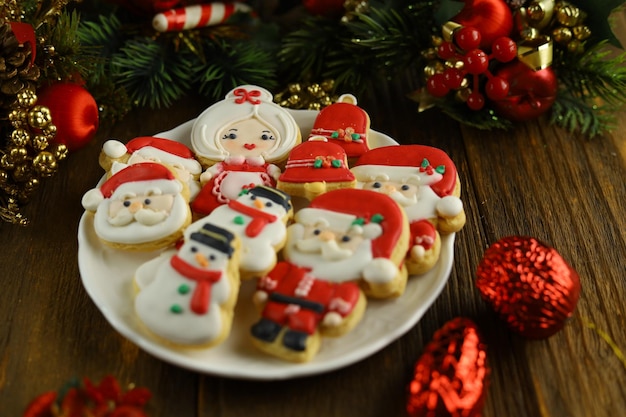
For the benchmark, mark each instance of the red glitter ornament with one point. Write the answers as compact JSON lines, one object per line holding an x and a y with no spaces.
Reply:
{"x":451,"y":376}
{"x":529,"y":285}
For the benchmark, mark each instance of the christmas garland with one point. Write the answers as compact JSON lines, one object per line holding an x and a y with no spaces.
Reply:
{"x":306,"y":51}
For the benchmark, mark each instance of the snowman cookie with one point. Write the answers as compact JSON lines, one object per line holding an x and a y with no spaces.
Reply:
{"x":241,"y":140}
{"x":142,"y":207}
{"x":424,"y":181}
{"x":258,"y":217}
{"x":186,"y":297}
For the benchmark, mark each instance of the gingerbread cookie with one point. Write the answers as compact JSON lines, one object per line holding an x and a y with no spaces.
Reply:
{"x":424,"y":181}
{"x":243,"y":140}
{"x":258,"y":217}
{"x":187,"y":298}
{"x":139,"y":208}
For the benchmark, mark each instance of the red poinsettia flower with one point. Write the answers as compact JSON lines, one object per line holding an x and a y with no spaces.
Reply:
{"x":87,"y":399}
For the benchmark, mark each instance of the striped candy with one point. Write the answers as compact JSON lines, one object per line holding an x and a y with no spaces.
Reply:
{"x":196,"y":16}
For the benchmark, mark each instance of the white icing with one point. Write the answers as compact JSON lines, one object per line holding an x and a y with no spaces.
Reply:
{"x":380,"y":270}
{"x":135,"y":233}
{"x":258,"y":253}
{"x":114,"y":149}
{"x":153,"y":302}
{"x":229,"y":184}
{"x":449,"y":207}
{"x":149,"y":153}
{"x":206,"y":129}
{"x":365,"y":173}
{"x":348,"y":268}
{"x":92,"y":199}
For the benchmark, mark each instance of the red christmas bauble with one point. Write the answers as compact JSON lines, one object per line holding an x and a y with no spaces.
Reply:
{"x":531,"y":93}
{"x":74,"y":112}
{"x":451,"y":376}
{"x":529,"y":285}
{"x":326,"y":8}
{"x":493,"y":18}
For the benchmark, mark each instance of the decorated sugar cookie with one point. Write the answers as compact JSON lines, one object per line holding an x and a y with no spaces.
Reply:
{"x":314,"y":167}
{"x":258,"y":217}
{"x":347,"y":244}
{"x":242,"y":139}
{"x":115,"y":155}
{"x":139,"y":208}
{"x":424,"y":181}
{"x":187,"y":297}
{"x":346,"y":124}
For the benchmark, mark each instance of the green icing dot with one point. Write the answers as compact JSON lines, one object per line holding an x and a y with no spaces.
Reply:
{"x":183,"y":289}
{"x":377,"y":218}
{"x":334,"y":135}
{"x":317,"y":163}
{"x":356,"y":136}
{"x":176,"y":309}
{"x":336,"y":163}
{"x":238,"y":220}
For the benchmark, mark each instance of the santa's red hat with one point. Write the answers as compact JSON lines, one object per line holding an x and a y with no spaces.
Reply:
{"x":344,"y":123}
{"x":129,"y":176}
{"x":317,"y":160}
{"x":392,"y":160}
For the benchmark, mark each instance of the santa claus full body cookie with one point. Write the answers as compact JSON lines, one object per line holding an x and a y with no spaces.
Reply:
{"x":242,"y":140}
{"x":139,"y":208}
{"x":187,"y":298}
{"x":424,"y":181}
{"x":344,"y":244}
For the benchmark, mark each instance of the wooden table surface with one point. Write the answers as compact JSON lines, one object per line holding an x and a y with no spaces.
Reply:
{"x":536,"y":180}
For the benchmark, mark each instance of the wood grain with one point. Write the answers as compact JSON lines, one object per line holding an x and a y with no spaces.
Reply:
{"x":566,"y":190}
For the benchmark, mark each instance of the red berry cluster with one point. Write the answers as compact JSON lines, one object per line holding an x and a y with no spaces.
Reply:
{"x":475,"y":62}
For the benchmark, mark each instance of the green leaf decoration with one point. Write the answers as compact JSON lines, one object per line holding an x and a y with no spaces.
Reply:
{"x":377,"y":218}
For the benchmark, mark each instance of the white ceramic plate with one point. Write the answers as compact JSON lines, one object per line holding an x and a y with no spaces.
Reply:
{"x":107,"y":275}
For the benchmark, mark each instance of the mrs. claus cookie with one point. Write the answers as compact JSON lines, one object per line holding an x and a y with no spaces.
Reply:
{"x":139,"y":208}
{"x":187,"y":297}
{"x":424,"y":181}
{"x":258,"y":217}
{"x":242,"y":140}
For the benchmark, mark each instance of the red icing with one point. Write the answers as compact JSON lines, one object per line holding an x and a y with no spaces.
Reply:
{"x":423,"y":233}
{"x":259,"y":218}
{"x":287,"y":279}
{"x":342,"y":118}
{"x":204,"y":278}
{"x":244,"y":95}
{"x":166,"y":145}
{"x":412,"y":156}
{"x":366,"y":204}
{"x":147,"y":171}
{"x":300,"y":165}
{"x":210,"y":196}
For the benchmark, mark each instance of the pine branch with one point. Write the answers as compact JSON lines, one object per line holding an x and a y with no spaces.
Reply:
{"x":575,"y":115}
{"x":154,"y":75}
{"x":102,"y":38}
{"x":230,"y":64}
{"x":484,"y":119}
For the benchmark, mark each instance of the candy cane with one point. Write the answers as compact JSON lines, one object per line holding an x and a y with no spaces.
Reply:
{"x":197,"y":16}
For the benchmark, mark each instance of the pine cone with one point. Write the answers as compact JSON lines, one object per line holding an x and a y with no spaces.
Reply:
{"x":16,"y":70}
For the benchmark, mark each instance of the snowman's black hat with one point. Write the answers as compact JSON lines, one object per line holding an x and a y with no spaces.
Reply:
{"x":215,"y":237}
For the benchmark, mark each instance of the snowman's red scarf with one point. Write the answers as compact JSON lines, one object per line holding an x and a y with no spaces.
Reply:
{"x":259,"y":217}
{"x":201,"y":296}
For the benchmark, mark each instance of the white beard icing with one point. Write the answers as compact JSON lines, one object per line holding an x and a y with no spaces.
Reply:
{"x":152,"y":305}
{"x":135,"y":232}
{"x":425,"y":208}
{"x":347,"y":269}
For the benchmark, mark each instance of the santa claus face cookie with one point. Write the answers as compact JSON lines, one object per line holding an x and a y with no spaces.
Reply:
{"x":187,"y":297}
{"x":258,"y":217}
{"x":424,"y":181}
{"x":139,"y":208}
{"x":352,"y":235}
{"x":179,"y":158}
